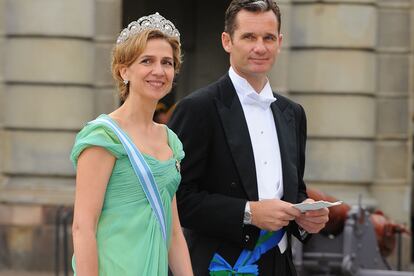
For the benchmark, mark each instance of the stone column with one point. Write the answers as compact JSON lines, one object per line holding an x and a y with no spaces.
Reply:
{"x":49,"y":58}
{"x":392,"y":181}
{"x":332,"y":73}
{"x":55,"y":55}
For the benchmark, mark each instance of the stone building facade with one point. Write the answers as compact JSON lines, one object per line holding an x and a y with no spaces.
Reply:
{"x":348,"y":62}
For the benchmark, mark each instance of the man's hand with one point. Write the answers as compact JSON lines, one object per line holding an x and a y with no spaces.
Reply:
{"x":313,"y":221}
{"x":272,"y":214}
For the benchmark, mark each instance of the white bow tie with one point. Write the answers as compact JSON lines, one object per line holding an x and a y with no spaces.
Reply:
{"x":256,"y":100}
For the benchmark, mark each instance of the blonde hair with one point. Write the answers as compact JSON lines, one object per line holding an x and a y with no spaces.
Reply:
{"x":125,"y":53}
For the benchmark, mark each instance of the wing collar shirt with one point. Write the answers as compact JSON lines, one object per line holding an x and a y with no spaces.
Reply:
{"x":263,"y":135}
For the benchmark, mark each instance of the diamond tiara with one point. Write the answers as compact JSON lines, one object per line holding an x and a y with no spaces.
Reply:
{"x":151,"y":22}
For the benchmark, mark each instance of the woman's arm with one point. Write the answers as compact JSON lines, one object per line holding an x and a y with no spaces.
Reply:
{"x":178,"y":256}
{"x":94,"y":169}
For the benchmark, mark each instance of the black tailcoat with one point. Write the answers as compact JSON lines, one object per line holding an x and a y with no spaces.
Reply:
{"x":219,"y":175}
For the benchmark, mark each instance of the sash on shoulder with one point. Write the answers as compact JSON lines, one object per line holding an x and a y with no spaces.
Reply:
{"x":245,"y":264}
{"x":142,"y":171}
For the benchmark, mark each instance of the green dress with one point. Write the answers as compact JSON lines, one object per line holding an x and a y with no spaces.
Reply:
{"x":129,"y":237}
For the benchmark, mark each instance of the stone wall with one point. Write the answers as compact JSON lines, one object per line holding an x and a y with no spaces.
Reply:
{"x":54,"y":76}
{"x":392,"y":178}
{"x":332,"y":73}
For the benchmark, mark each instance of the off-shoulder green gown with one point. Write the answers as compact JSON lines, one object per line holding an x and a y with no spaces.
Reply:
{"x":129,"y":237}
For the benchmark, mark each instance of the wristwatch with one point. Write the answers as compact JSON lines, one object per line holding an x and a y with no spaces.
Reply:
{"x":303,"y":233}
{"x":247,"y":218}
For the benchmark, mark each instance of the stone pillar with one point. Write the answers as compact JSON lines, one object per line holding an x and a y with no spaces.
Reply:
{"x":55,"y":55}
{"x":49,"y":56}
{"x":332,"y":73}
{"x":392,"y":181}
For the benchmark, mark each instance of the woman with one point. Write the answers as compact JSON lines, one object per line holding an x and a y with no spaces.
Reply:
{"x":117,"y":227}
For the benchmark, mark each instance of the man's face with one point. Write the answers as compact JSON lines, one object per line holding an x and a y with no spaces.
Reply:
{"x":255,"y":43}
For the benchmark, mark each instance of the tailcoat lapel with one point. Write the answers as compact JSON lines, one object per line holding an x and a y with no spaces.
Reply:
{"x":237,"y":135}
{"x":286,"y":133}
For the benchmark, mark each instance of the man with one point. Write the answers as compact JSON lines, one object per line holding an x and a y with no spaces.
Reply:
{"x":245,"y":155}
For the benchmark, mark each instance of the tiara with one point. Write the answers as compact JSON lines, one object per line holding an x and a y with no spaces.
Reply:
{"x":151,"y":22}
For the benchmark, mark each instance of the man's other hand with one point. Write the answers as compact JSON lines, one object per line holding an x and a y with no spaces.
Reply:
{"x":313,"y":221}
{"x":272,"y":214}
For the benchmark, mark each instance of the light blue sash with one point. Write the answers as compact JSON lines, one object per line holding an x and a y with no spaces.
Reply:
{"x":142,"y":171}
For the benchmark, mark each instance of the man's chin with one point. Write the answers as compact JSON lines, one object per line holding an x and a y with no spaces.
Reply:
{"x":260,"y":70}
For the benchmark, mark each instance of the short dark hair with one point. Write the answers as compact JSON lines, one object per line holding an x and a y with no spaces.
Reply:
{"x":252,"y":6}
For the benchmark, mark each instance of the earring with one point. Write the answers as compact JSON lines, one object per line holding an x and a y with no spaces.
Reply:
{"x":126,"y":82}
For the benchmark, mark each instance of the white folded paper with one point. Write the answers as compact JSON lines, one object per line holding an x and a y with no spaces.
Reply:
{"x":308,"y":206}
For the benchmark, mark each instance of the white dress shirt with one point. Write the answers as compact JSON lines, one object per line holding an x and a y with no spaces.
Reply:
{"x":263,"y":135}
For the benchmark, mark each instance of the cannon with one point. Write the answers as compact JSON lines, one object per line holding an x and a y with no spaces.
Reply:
{"x":355,"y":242}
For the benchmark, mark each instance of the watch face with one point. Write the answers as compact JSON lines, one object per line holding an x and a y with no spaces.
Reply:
{"x":247,"y":218}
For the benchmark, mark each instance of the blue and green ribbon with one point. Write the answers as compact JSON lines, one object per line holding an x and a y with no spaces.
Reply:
{"x":245,"y":264}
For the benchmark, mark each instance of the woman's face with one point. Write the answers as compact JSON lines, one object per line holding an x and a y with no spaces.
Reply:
{"x":152,"y":73}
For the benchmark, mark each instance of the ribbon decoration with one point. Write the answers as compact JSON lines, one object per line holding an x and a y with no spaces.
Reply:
{"x":245,"y":264}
